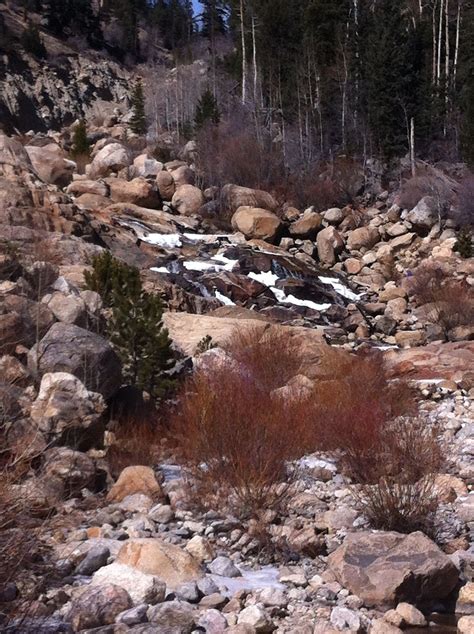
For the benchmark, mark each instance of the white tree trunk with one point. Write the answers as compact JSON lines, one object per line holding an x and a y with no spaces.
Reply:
{"x":244,"y":53}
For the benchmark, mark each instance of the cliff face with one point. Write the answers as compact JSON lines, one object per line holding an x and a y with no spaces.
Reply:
{"x":46,"y":94}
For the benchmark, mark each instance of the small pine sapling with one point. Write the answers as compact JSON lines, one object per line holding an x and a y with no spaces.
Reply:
{"x":138,"y":123}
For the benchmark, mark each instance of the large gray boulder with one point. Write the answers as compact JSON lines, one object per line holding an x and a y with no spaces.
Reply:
{"x":66,"y":412}
{"x":425,"y":214}
{"x":386,"y":568}
{"x":111,"y":158}
{"x":86,"y":355}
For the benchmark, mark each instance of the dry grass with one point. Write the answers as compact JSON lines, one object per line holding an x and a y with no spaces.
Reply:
{"x":449,"y":302}
{"x":235,"y":434}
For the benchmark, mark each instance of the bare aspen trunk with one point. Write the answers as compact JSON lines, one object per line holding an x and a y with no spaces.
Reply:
{"x":254,"y":58}
{"x":456,"y":49}
{"x":440,"y":42}
{"x":412,"y":147}
{"x":244,"y":53}
{"x":434,"y":42}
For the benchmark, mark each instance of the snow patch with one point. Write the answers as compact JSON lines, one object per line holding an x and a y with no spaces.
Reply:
{"x":268,"y":279}
{"x":266,"y":577}
{"x":340,"y":288}
{"x":291,"y":299}
{"x":159,"y":269}
{"x":167,"y":241}
{"x":225,"y":300}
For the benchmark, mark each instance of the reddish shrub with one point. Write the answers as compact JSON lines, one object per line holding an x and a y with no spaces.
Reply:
{"x":236,"y":435}
{"x":398,"y":489}
{"x":449,"y":302}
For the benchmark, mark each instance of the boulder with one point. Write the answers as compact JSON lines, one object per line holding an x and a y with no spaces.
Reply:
{"x":86,"y":355}
{"x":187,"y":200}
{"x":67,"y":413}
{"x":146,"y":166}
{"x":14,"y":158}
{"x":257,"y":223}
{"x":170,"y":563}
{"x":363,"y":238}
{"x":50,"y":165}
{"x":92,"y":201}
{"x":329,"y":244}
{"x":224,"y":567}
{"x":78,"y":188}
{"x":233,"y":196}
{"x":166,"y":185}
{"x":142,"y":587}
{"x":183,"y":175}
{"x":385,"y":568}
{"x":307,"y":226}
{"x":466,"y":625}
{"x":67,"y":307}
{"x":334,"y":216}
{"x":257,"y":618}
{"x":172,"y":617}
{"x":97,"y":606}
{"x":74,"y":469}
{"x":200,"y":548}
{"x":111,"y":158}
{"x":411,"y":616}
{"x":425,"y":214}
{"x":136,"y":192}
{"x":465,"y":602}
{"x":132,"y":480}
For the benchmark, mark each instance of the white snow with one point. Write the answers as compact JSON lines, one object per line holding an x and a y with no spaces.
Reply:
{"x":167,"y":241}
{"x":159,"y":269}
{"x":291,"y":299}
{"x":340,"y":288}
{"x":269,"y":279}
{"x":228,"y":263}
{"x":202,"y":237}
{"x":199,"y":266}
{"x":225,"y":300}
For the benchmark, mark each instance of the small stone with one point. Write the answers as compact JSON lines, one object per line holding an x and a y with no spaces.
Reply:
{"x":224,"y":567}
{"x":188,"y":592}
{"x":175,"y":615}
{"x":465,"y":602}
{"x":411,"y":615}
{"x":466,"y":625}
{"x":379,"y":626}
{"x":95,"y":559}
{"x":200,"y":548}
{"x":343,"y":618}
{"x":256,"y":617}
{"x":134,"y":615}
{"x":212,"y":621}
{"x":215,"y":600}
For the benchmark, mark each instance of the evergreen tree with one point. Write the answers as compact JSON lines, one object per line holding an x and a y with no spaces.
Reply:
{"x":174,"y":19}
{"x":32,"y":42}
{"x":80,"y":142}
{"x":388,"y":76}
{"x":207,"y":110}
{"x":214,"y":17}
{"x":138,"y":122}
{"x":467,"y":79}
{"x":135,"y":327}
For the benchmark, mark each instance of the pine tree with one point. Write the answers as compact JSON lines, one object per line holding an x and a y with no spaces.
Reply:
{"x":80,"y":142}
{"x":214,"y":16}
{"x":135,"y":327}
{"x":138,"y":123}
{"x":207,"y":110}
{"x":467,"y":77}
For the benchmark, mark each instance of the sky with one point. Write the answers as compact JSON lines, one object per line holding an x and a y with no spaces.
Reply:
{"x":197,"y":6}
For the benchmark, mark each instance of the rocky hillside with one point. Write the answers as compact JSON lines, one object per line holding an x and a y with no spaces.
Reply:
{"x":44,"y":94}
{"x":128,"y":550}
